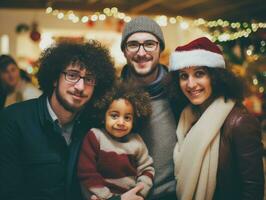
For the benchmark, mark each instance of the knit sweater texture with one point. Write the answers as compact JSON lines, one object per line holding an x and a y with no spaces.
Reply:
{"x":109,"y":167}
{"x":159,"y":136}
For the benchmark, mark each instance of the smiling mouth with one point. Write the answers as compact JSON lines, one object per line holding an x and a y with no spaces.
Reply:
{"x":77,"y":94}
{"x":77,"y":97}
{"x":120,"y":129}
{"x":195,"y":93}
{"x":142,"y":60}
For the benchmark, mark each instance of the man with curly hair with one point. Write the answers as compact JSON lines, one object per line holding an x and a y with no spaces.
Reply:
{"x":142,"y":44}
{"x":40,"y":138}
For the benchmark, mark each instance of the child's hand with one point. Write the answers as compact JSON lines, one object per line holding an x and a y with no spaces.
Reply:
{"x":132,"y":194}
{"x":94,"y":197}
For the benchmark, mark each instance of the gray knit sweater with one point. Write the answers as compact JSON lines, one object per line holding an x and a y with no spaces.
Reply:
{"x":160,"y":138}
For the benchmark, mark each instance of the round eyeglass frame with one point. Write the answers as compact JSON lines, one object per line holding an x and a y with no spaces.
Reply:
{"x":80,"y":77}
{"x":143,"y":45}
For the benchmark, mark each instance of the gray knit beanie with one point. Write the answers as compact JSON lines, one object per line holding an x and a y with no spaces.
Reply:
{"x":142,"y":24}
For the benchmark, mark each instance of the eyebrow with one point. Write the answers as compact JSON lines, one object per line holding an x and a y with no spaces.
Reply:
{"x":78,"y":71}
{"x":119,"y":112}
{"x":113,"y":111}
{"x":143,"y":40}
{"x":182,"y":71}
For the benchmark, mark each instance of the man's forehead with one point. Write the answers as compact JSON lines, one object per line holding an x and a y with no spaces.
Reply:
{"x":141,"y":36}
{"x":78,"y":68}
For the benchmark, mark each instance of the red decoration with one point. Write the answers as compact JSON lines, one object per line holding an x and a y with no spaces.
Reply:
{"x":90,"y":23}
{"x":120,"y":25}
{"x":35,"y":34}
{"x":261,"y":34}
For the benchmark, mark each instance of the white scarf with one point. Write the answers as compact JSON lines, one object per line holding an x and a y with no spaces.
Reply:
{"x":197,"y":149}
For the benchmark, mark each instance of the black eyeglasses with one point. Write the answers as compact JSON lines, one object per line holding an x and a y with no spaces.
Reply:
{"x":148,"y":46}
{"x":74,"y":77}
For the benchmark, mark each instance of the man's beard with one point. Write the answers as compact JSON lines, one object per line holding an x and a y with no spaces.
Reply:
{"x":153,"y":68}
{"x":64,"y":103}
{"x":142,"y":75}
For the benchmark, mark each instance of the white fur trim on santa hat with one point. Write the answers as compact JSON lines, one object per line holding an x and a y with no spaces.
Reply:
{"x":197,"y":57}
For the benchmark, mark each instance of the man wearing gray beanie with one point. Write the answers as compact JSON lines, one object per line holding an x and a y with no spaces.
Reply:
{"x":142,"y":44}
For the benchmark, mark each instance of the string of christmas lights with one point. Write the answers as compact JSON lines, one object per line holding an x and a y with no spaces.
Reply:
{"x":220,"y":30}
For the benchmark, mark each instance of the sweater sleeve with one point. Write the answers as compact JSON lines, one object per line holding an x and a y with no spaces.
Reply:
{"x":92,"y":182}
{"x":248,"y":148}
{"x":145,"y":170}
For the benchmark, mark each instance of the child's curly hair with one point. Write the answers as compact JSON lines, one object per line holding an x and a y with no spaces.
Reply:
{"x":129,"y":91}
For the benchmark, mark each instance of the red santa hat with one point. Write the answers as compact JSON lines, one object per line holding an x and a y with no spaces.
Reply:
{"x":199,"y":52}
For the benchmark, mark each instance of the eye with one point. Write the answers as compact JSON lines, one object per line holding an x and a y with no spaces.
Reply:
{"x":89,"y":80}
{"x":132,"y":45}
{"x":150,"y":43}
{"x":128,"y":118}
{"x":72,"y":75}
{"x":200,"y":73}
{"x":183,"y":76}
{"x":114,"y":115}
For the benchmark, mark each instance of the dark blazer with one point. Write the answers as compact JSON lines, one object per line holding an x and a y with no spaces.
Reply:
{"x":240,"y":169}
{"x":35,"y":162}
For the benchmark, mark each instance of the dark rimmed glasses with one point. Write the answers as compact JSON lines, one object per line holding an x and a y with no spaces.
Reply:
{"x":74,"y":77}
{"x":148,"y":46}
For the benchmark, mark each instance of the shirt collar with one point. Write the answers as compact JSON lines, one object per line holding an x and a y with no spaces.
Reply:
{"x":50,"y":110}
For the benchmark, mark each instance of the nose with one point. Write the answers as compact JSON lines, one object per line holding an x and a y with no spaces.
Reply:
{"x":80,"y":84}
{"x":120,"y":122}
{"x":191,"y":83}
{"x":141,"y":51}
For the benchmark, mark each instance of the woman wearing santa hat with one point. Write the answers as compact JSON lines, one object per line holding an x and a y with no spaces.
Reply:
{"x":219,"y":151}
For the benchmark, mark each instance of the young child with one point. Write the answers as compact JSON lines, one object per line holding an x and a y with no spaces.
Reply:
{"x":115,"y":159}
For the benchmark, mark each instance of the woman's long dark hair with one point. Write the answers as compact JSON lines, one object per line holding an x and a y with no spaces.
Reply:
{"x":223,"y":83}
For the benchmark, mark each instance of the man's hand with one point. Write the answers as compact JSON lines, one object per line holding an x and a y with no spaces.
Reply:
{"x":133,"y":193}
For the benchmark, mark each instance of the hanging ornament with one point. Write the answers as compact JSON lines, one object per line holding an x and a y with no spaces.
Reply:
{"x":120,"y":25}
{"x":35,"y":34}
{"x":90,"y":23}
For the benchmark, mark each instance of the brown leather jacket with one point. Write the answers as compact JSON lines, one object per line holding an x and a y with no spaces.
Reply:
{"x":240,"y":173}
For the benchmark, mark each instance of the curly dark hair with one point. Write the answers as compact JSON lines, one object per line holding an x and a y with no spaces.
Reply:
{"x":91,"y":55}
{"x":223,"y":83}
{"x":129,"y":91}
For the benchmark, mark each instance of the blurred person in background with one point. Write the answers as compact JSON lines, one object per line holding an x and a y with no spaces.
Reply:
{"x":15,"y":84}
{"x":218,"y":155}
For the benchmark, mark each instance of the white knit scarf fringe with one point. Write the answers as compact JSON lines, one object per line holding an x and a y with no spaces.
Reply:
{"x":197,"y":149}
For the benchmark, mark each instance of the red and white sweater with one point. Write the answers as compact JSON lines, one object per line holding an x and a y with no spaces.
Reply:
{"x":109,"y":167}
